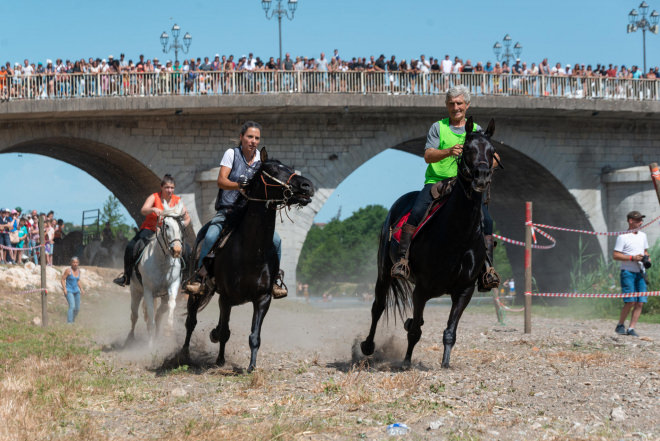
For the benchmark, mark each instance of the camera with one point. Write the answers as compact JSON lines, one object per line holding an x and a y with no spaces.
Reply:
{"x":646,"y":262}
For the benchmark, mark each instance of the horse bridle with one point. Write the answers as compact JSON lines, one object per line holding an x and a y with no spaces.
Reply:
{"x":167,"y":245}
{"x":466,"y":174}
{"x":286,"y":194}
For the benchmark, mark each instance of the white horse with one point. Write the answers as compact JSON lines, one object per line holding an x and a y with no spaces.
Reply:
{"x":160,"y":269}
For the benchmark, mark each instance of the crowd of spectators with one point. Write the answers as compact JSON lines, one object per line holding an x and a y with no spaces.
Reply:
{"x":209,"y":75}
{"x":19,"y":236}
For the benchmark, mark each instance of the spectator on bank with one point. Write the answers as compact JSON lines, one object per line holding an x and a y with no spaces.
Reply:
{"x":34,"y":236}
{"x":631,"y":250}
{"x":5,"y":242}
{"x":23,"y":237}
{"x":72,"y":289}
{"x":49,"y":235}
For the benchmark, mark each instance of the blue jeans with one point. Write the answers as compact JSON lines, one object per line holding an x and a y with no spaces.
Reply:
{"x":74,"y":305}
{"x":33,"y":251}
{"x":212,"y":233}
{"x":633,"y":282}
{"x":4,"y":240}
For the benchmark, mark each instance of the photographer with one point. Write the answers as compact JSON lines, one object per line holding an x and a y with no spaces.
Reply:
{"x":631,"y":249}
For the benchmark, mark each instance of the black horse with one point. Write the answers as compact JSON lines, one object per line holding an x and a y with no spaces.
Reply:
{"x":246,"y":267}
{"x":446,"y":256}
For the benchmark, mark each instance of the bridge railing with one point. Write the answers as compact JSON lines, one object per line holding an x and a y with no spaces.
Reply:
{"x":65,"y":86}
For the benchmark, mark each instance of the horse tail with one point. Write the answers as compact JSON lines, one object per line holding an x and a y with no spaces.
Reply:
{"x":397,"y":293}
{"x":399,"y":298}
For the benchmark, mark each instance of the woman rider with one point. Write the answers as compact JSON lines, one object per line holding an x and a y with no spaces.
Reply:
{"x":444,"y":144}
{"x":237,"y":167}
{"x":153,"y":207}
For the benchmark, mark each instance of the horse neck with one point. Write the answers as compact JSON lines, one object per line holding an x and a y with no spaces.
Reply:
{"x":159,"y":251}
{"x":464,"y":211}
{"x":258,"y":226}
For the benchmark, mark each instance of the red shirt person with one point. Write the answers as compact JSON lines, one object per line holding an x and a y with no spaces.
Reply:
{"x":152,"y":209}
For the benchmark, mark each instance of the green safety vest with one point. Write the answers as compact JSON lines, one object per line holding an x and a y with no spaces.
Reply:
{"x":446,"y":168}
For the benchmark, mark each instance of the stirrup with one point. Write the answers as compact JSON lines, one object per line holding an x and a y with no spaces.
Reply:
{"x":279,"y":290}
{"x":194,"y":286}
{"x":400,"y":269}
{"x":488,"y":280}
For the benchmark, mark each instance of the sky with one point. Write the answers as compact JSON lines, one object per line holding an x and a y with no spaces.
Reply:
{"x":586,"y":32}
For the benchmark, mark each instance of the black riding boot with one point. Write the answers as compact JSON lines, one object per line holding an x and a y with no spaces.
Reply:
{"x":400,"y":269}
{"x":489,"y":278}
{"x":125,"y":278}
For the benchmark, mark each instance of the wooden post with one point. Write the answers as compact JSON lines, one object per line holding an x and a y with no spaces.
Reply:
{"x":655,"y":177}
{"x":528,"y":267}
{"x":42,"y":263}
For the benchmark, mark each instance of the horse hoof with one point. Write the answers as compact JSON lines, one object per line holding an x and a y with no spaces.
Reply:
{"x":367,"y":347}
{"x":407,"y":324}
{"x":250,"y":369}
{"x":220,"y":362}
{"x":445,"y":365}
{"x":214,"y":336}
{"x":406,"y":365}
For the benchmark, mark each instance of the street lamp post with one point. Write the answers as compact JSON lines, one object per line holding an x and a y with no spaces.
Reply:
{"x":176,"y":30}
{"x":280,"y":12}
{"x":650,"y":24}
{"x":507,"y":55}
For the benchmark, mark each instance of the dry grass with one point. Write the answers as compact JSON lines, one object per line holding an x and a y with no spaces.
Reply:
{"x":584,"y":359}
{"x":55,"y":385}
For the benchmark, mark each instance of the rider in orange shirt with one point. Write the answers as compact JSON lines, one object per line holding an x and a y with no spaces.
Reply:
{"x":153,"y":207}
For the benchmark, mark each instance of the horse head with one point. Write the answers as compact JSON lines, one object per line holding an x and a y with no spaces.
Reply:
{"x":278,"y":184}
{"x":172,"y":230}
{"x":475,"y":164}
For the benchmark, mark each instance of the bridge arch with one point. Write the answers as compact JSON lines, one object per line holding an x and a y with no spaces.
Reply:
{"x":126,"y":177}
{"x":574,"y":148}
{"x":553,"y":204}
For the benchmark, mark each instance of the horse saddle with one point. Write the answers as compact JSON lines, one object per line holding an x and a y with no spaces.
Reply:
{"x":138,"y":251}
{"x":139,"y":247}
{"x":215,"y":249}
{"x":440,"y":193}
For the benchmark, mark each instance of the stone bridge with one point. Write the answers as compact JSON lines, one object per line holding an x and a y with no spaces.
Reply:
{"x":584,"y":163}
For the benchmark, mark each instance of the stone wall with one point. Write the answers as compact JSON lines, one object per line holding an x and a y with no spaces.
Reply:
{"x":556,"y":153}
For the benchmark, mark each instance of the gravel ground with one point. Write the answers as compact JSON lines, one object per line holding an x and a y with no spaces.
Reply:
{"x":566,"y":380}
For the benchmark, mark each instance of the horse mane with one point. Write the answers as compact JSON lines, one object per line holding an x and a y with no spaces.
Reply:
{"x":175,"y":211}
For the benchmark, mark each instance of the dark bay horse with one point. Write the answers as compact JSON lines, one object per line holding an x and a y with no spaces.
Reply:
{"x":246,"y":267}
{"x":446,"y":256}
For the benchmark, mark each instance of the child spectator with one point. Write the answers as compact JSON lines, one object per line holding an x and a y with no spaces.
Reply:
{"x":49,"y":240}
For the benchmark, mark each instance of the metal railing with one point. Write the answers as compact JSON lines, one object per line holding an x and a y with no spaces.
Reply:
{"x":66,"y":86}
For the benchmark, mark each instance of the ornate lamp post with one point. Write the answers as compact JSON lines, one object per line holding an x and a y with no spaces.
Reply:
{"x":280,"y":12}
{"x":650,"y":24}
{"x":507,"y":55}
{"x":176,"y":30}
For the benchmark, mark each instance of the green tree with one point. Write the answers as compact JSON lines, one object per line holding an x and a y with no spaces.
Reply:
{"x":343,"y":251}
{"x":110,"y":213}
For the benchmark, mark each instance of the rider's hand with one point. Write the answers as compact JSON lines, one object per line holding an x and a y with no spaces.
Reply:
{"x":157,"y":211}
{"x":456,"y":150}
{"x":242,"y":182}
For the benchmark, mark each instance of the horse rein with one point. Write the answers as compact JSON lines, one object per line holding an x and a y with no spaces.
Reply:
{"x":169,"y":245}
{"x":467,"y":175}
{"x":287,"y":194}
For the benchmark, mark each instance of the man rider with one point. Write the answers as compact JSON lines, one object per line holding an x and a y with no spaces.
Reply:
{"x":237,"y":167}
{"x":152,"y":208}
{"x":444,"y":143}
